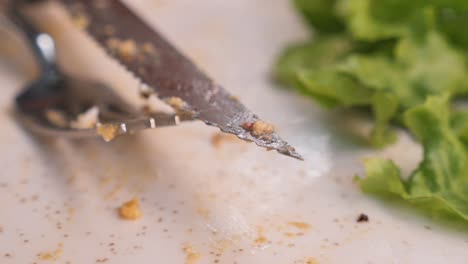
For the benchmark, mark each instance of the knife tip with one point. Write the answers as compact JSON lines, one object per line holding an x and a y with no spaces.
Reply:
{"x":291,"y":152}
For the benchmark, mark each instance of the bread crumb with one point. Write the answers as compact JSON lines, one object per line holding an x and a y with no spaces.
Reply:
{"x":260,"y":239}
{"x":113,"y":43}
{"x":192,"y":256}
{"x":175,"y":102}
{"x":52,"y":256}
{"x":86,"y":120}
{"x":130,"y":210}
{"x":107,"y":131}
{"x":311,"y":261}
{"x":203,"y":212}
{"x":148,"y":48}
{"x":259,"y":128}
{"x":127,"y":49}
{"x":362,"y":218}
{"x":81,"y":21}
{"x":56,"y":118}
{"x":219,"y":138}
{"x":300,"y":225}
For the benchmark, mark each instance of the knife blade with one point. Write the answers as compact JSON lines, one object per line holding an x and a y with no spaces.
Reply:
{"x":170,"y":75}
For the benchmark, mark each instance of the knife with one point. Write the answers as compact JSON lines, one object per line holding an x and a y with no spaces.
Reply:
{"x":167,"y":73}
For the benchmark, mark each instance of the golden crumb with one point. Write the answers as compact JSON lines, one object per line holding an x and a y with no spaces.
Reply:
{"x":128,"y":49}
{"x":260,"y":239}
{"x":219,"y":138}
{"x":235,"y":98}
{"x":203,"y":212}
{"x":107,"y":131}
{"x":300,"y":225}
{"x":51,"y":256}
{"x":130,"y":210}
{"x":262,"y":128}
{"x":259,"y":128}
{"x":86,"y":120}
{"x":175,"y":102}
{"x":56,"y":118}
{"x":81,"y":21}
{"x":113,"y":43}
{"x":149,"y":49}
{"x":311,"y":261}
{"x":192,"y":256}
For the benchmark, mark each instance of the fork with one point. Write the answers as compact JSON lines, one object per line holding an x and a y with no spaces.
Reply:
{"x":54,"y":103}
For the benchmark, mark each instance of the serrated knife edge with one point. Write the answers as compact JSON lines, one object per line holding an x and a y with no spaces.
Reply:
{"x":162,"y":67}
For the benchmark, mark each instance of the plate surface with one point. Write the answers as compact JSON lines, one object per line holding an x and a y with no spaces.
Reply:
{"x":224,"y":201}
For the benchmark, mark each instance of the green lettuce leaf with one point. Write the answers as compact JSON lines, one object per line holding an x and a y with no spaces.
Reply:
{"x":321,"y":14}
{"x":406,"y":62}
{"x":321,"y":52}
{"x":335,"y":75}
{"x":440,"y":183}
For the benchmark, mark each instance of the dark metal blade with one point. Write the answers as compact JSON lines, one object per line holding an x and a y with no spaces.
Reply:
{"x":152,"y":59}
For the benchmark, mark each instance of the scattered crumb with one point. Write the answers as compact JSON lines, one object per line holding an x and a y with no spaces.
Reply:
{"x":56,"y":118}
{"x":127,"y":49}
{"x":362,"y":218}
{"x":81,"y":21}
{"x":205,"y":213}
{"x":219,"y":138}
{"x":300,"y":225}
{"x":262,"y":128}
{"x":235,"y":98}
{"x":175,"y":102}
{"x":259,"y":128}
{"x":148,"y":48}
{"x":192,"y":256}
{"x":130,"y":210}
{"x":260,"y":239}
{"x":86,"y":120}
{"x":102,"y":260}
{"x":55,"y":255}
{"x":107,"y":131}
{"x":291,"y":234}
{"x":311,"y":261}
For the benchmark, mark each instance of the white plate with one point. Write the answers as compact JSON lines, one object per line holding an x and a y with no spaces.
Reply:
{"x":231,"y":204}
